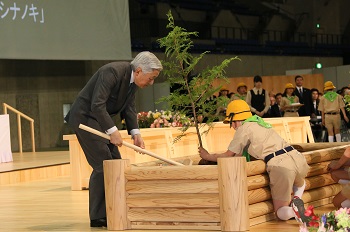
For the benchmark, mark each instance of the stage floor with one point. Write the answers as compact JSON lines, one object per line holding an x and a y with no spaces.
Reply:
{"x":29,"y":160}
{"x":50,"y":205}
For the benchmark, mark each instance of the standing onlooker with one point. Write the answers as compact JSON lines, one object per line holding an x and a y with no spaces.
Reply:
{"x":304,"y":95}
{"x":315,"y":122}
{"x":330,"y":105}
{"x":315,"y":102}
{"x":258,"y":98}
{"x":288,"y":99}
{"x":241,"y":92}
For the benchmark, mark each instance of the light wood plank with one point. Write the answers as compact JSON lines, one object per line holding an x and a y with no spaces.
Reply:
{"x":172,"y":186}
{"x":174,"y":214}
{"x":174,"y":200}
{"x":196,"y":172}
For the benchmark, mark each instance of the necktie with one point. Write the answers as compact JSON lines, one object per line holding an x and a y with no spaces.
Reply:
{"x":258,"y":92}
{"x":301,"y":92}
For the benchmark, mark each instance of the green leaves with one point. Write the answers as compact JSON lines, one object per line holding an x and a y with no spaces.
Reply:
{"x":193,"y":90}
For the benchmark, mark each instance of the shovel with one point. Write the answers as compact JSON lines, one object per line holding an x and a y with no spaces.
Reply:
{"x":129,"y":145}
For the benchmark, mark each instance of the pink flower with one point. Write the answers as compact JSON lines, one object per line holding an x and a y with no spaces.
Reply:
{"x":309,"y":211}
{"x":152,"y":125}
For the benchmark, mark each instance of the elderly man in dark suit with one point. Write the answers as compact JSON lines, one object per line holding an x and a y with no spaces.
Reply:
{"x":110,"y":91}
{"x":304,"y":95}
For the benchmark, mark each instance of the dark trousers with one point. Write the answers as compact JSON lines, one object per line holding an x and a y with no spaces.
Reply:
{"x":96,"y":150}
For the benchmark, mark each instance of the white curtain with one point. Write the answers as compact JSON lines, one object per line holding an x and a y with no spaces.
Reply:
{"x":5,"y":140}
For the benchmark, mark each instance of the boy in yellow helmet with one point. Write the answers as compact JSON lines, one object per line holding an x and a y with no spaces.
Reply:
{"x":330,"y":105}
{"x":287,"y":168}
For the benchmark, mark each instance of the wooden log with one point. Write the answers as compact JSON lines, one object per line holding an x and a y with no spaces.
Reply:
{"x":115,"y":193}
{"x":304,"y":147}
{"x":266,"y":207}
{"x":326,"y":154}
{"x":174,"y":214}
{"x":314,"y":182}
{"x":172,"y":186}
{"x":233,"y":192}
{"x":261,"y":208}
{"x":256,"y":167}
{"x":318,"y":168}
{"x":259,"y":195}
{"x":174,"y":200}
{"x":318,"y":181}
{"x":194,"y":172}
{"x":320,"y":193}
{"x":271,"y":216}
{"x":258,"y":181}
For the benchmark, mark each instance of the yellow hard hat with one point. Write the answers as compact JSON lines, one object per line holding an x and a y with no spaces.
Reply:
{"x":328,"y":85}
{"x":237,"y":110}
{"x":241,"y":84}
{"x":289,"y":86}
{"x":224,"y":88}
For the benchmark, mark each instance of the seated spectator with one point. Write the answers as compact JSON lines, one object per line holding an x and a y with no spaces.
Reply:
{"x":288,"y":99}
{"x":340,"y":174}
{"x":275,"y":110}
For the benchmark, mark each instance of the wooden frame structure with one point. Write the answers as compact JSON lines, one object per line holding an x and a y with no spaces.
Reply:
{"x":229,"y":197}
{"x":160,"y":141}
{"x":19,"y":126}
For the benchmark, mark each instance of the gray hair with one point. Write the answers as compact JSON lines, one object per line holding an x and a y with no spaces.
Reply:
{"x":147,"y":61}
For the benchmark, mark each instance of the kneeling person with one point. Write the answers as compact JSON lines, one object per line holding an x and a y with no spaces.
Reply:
{"x":287,"y":168}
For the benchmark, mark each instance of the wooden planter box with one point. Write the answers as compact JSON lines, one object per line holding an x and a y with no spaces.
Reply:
{"x":160,"y":142}
{"x":231,"y":196}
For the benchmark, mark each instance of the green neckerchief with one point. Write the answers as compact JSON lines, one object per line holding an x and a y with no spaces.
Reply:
{"x":240,"y":96}
{"x":291,"y":98}
{"x":330,"y":96}
{"x":260,"y":121}
{"x":246,"y":155}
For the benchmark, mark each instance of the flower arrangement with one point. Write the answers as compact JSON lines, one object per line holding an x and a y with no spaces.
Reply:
{"x":163,"y":118}
{"x":337,"y":220}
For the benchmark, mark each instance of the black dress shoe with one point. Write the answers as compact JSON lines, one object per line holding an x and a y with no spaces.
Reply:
{"x":102,"y":222}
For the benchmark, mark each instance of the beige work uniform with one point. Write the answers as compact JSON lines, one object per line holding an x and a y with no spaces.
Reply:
{"x":332,"y":112}
{"x":289,"y":112}
{"x":284,"y":170}
{"x":237,"y":96}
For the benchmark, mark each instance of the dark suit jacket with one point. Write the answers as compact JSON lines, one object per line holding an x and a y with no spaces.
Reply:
{"x":275,"y":111}
{"x":305,"y":110}
{"x":315,"y":111}
{"x":107,"y":93}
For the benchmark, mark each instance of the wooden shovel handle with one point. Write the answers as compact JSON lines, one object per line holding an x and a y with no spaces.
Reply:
{"x":129,"y":145}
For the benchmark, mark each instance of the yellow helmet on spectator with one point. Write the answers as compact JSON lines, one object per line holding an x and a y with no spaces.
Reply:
{"x":289,"y":86}
{"x":224,"y":88}
{"x":237,"y":110}
{"x":328,"y":85}
{"x":241,"y":84}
